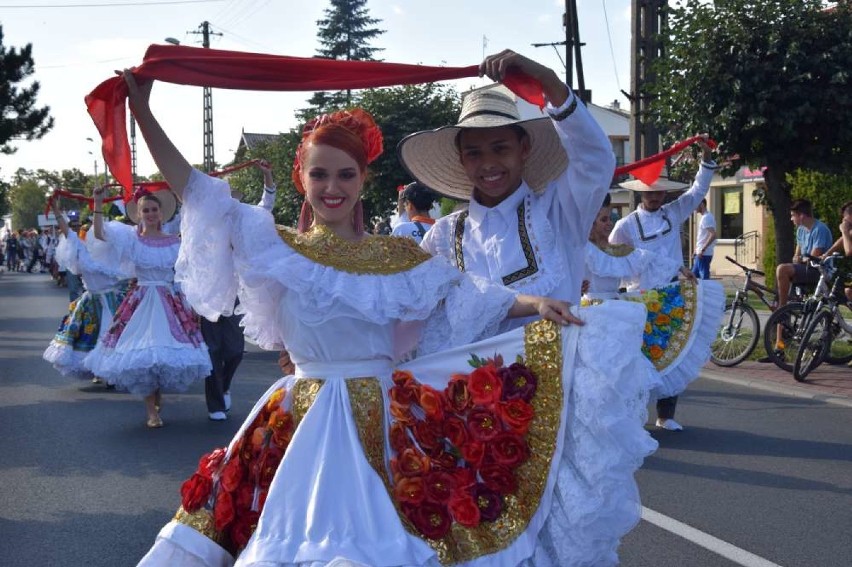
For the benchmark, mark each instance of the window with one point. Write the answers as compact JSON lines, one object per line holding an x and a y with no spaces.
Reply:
{"x":730,"y":218}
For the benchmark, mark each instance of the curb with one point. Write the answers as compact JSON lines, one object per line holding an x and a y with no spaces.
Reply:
{"x":795,"y":391}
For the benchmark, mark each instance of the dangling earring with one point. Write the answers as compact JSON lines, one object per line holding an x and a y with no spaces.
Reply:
{"x":358,"y":217}
{"x":306,"y":218}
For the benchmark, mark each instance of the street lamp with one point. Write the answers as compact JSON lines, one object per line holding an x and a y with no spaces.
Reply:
{"x":91,"y":153}
{"x":172,"y":40}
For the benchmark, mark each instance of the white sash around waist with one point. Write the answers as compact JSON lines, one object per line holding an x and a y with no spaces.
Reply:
{"x":344,"y":369}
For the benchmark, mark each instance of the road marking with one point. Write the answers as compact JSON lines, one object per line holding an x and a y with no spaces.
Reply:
{"x":714,"y":544}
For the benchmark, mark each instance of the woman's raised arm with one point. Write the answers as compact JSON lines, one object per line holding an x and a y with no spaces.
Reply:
{"x":171,"y":163}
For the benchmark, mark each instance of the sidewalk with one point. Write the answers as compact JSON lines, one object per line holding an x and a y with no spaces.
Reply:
{"x":829,"y":383}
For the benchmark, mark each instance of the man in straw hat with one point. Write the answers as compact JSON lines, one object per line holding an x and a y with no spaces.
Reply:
{"x":655,"y":225}
{"x":534,"y":185}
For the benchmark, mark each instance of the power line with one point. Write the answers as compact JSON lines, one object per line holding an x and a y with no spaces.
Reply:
{"x":611,"y":50}
{"x":111,"y":4}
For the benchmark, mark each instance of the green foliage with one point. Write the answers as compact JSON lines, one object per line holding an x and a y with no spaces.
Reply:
{"x":27,"y":202}
{"x":769,"y":257}
{"x":769,"y":80}
{"x":400,"y":111}
{"x":825,"y":192}
{"x":19,"y":117}
{"x":4,"y":199}
{"x":448,"y":205}
{"x":249,"y":181}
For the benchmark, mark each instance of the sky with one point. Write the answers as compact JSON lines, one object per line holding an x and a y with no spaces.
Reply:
{"x":79,"y":43}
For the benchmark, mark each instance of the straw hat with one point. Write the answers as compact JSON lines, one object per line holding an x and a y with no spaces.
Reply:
{"x":431,"y":156}
{"x":168,"y":203}
{"x":661,"y":184}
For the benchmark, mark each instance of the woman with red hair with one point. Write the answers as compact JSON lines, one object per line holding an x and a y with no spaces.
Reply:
{"x":359,"y":458}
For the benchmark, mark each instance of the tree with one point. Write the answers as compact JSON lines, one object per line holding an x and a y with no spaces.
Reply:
{"x":344,"y":33}
{"x":770,"y":80}
{"x":400,"y":111}
{"x":27,"y":198}
{"x":19,"y":118}
{"x":249,"y":181}
{"x":825,"y":192}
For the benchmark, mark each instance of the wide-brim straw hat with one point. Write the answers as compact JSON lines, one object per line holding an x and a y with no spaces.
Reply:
{"x":432,"y":157}
{"x":661,"y":184}
{"x":168,"y":205}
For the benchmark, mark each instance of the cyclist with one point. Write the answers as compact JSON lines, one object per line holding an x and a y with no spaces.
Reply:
{"x":813,"y":238}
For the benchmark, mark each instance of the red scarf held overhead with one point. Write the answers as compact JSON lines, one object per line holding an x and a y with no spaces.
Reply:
{"x":255,"y":71}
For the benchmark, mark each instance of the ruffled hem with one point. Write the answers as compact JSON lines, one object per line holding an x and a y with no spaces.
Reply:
{"x":143,"y":372}
{"x":67,"y":361}
{"x":596,"y":499}
{"x":685,"y":368}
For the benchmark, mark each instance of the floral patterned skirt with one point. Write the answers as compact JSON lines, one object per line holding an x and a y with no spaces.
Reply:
{"x":87,"y":320}
{"x":682,"y":321}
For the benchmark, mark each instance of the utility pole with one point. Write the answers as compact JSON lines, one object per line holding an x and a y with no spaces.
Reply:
{"x":648,"y":18}
{"x":133,"y":147}
{"x":209,"y":160}
{"x":572,"y":50}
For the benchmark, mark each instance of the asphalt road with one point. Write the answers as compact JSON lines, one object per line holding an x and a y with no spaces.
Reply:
{"x":757,"y":478}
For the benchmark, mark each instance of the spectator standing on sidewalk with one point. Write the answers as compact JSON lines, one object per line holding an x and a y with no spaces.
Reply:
{"x":705,"y":242}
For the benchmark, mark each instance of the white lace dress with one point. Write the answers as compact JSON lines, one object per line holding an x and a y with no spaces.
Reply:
{"x":154,"y":341}
{"x":331,"y":488}
{"x":89,"y":317}
{"x":683,"y":317}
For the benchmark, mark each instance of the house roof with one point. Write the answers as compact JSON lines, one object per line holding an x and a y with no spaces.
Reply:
{"x":251,"y":139}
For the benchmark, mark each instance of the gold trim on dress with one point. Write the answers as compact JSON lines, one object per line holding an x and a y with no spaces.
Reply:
{"x":304,"y":392}
{"x":543,"y":350}
{"x":201,"y":521}
{"x":616,"y":250}
{"x":680,"y":337}
{"x":370,"y":255}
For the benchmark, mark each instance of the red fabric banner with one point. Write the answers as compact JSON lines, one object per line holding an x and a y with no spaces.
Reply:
{"x":648,"y":169}
{"x":254,"y":71}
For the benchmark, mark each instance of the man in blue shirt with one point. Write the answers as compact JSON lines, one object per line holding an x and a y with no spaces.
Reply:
{"x":813,"y":238}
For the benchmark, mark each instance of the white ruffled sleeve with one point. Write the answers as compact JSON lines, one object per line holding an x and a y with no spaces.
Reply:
{"x":67,"y":252}
{"x":472,"y":310}
{"x":641,"y":269}
{"x":205,"y":265}
{"x":112,"y":256}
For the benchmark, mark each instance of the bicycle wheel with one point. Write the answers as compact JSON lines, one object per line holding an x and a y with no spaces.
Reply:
{"x":840,"y":349}
{"x":814,"y":345}
{"x":790,"y":319}
{"x":737,"y":337}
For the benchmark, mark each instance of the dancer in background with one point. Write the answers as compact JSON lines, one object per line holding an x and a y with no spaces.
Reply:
{"x":683,"y":317}
{"x":154,"y":343}
{"x":89,"y":316}
{"x":655,"y":226}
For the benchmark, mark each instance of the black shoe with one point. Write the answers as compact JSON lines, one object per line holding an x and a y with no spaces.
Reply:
{"x":764,"y":360}
{"x":779,"y":354}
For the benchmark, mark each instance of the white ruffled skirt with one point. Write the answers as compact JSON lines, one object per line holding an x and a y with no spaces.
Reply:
{"x":331,"y":500}
{"x":154,"y":342}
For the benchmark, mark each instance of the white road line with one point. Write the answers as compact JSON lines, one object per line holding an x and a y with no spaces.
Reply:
{"x":714,"y":544}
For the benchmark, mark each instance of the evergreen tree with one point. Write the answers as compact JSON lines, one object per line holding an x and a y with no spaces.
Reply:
{"x":19,"y":118}
{"x":344,"y":33}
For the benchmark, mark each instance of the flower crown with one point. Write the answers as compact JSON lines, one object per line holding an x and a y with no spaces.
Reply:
{"x":357,"y":121}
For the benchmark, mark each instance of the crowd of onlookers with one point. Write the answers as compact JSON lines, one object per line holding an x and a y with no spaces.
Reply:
{"x":33,"y":251}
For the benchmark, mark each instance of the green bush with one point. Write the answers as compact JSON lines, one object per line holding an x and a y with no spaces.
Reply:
{"x":769,"y":260}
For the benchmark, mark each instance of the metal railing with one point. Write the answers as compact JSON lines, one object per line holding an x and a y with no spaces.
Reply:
{"x":747,"y":248}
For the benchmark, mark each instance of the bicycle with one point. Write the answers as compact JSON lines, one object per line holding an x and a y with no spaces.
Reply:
{"x":793,"y":319}
{"x":823,"y":340}
{"x":740,"y":328}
